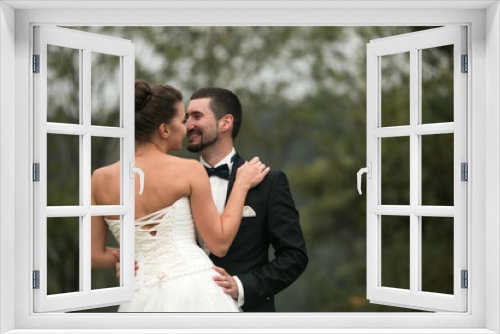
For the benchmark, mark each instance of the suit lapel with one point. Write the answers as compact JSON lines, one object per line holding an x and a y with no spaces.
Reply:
{"x":238,"y":161}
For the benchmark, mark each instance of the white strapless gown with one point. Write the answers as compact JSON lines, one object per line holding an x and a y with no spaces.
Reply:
{"x":175,"y":274}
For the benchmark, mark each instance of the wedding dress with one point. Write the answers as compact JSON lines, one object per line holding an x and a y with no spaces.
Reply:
{"x":175,"y":274}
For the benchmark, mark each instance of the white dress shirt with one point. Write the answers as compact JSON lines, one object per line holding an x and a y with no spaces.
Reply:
{"x":219,"y":191}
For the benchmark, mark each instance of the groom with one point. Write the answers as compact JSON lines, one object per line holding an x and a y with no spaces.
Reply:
{"x":213,"y":120}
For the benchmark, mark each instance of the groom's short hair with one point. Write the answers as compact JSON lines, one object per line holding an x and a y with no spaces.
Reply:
{"x":222,"y":102}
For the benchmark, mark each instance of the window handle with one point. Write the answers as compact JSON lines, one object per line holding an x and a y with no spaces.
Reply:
{"x":139,"y":171}
{"x":368,"y":171}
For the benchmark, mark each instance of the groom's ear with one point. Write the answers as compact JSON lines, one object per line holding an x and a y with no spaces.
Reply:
{"x":226,"y":123}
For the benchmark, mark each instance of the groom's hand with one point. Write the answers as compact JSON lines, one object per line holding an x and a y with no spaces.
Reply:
{"x":116,"y":254}
{"x":226,"y":282}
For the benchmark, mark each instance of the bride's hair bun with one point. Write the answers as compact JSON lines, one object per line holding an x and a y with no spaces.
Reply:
{"x":142,"y":94}
{"x":153,"y":106}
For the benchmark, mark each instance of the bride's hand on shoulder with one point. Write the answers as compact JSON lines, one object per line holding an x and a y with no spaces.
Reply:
{"x":252,"y":172}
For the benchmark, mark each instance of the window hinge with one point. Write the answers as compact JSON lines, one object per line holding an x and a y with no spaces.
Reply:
{"x":36,"y":279}
{"x":464,"y":172}
{"x":36,"y":63}
{"x":465,"y":64}
{"x":465,"y":279}
{"x":36,"y":172}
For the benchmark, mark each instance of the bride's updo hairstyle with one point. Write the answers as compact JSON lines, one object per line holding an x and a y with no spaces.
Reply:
{"x":153,"y":106}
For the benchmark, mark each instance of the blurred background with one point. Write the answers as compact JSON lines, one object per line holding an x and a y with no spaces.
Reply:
{"x":303,"y":91}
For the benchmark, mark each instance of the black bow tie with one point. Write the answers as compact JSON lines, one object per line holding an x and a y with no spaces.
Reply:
{"x":222,"y":171}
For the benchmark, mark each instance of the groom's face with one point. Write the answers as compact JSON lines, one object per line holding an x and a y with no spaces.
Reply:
{"x":201,"y":125}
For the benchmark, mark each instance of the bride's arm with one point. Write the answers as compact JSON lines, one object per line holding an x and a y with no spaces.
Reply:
{"x":218,"y":232}
{"x":101,"y":256}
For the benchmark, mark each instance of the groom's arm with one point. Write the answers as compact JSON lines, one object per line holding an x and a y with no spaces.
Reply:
{"x":285,"y":234}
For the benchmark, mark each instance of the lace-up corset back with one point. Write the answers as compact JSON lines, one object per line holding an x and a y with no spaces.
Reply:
{"x":165,"y":244}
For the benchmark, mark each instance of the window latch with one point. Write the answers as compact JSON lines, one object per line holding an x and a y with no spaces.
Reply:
{"x":134,"y":170}
{"x":368,"y":171}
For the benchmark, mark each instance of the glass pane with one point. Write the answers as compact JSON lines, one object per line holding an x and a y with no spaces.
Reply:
{"x":63,"y":85}
{"x":63,"y":170}
{"x":395,"y":234}
{"x":395,"y":86}
{"x":437,"y":84}
{"x":437,"y":254}
{"x":105,"y":90}
{"x":106,"y":233}
{"x":437,"y":170}
{"x":395,"y":177}
{"x":63,"y":255}
{"x":106,"y":152}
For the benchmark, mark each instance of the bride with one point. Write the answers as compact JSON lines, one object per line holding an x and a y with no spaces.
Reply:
{"x":175,"y":274}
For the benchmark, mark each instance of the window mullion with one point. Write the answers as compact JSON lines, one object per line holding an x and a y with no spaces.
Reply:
{"x":81,"y":231}
{"x":415,"y":244}
{"x":127,"y":155}
{"x":86,"y":169}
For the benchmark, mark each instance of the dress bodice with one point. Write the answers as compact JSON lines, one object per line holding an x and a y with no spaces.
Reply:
{"x":165,"y":244}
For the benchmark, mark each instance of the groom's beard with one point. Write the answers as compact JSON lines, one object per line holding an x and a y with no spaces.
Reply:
{"x":196,"y":148}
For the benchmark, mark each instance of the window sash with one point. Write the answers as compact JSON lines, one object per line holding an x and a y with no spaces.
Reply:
{"x":413,"y":297}
{"x":86,"y":43}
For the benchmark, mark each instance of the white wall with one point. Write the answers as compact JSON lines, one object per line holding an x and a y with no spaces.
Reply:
{"x":492,"y":165}
{"x":7,"y":163}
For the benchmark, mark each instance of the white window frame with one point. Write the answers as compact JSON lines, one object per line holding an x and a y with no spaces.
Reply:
{"x":413,"y":44}
{"x":483,"y":20}
{"x":86,"y":44}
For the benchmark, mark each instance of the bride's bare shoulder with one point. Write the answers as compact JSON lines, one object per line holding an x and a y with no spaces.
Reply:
{"x":185,"y":166}
{"x":105,"y":178}
{"x":188,"y":165}
{"x":106,"y":171}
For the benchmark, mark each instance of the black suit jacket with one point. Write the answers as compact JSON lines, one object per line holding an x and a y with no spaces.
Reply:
{"x":276,"y":223}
